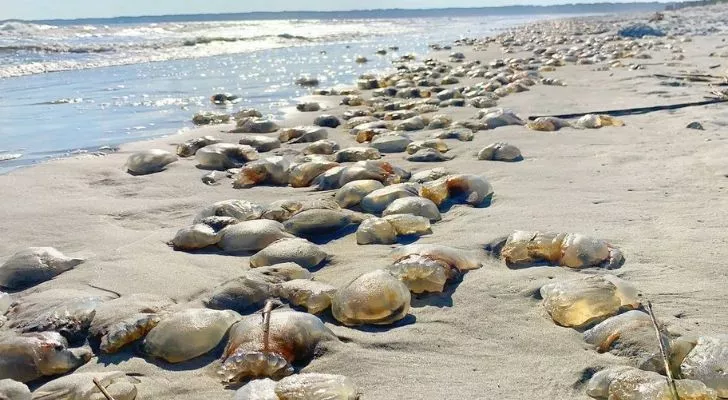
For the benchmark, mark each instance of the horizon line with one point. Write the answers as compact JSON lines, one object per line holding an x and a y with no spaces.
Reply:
{"x":596,"y":3}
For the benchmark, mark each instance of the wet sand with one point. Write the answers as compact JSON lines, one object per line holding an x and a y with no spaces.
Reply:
{"x":653,"y":188}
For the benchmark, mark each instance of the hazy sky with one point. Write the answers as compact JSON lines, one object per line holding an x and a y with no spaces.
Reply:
{"x":50,"y":9}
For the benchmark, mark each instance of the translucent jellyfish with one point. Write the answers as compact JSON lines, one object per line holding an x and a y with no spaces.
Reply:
{"x":708,"y":363}
{"x":573,"y":250}
{"x":376,"y":231}
{"x":187,"y":334}
{"x":378,"y":200}
{"x":628,"y":383}
{"x":29,"y":356}
{"x":149,"y":161}
{"x":299,"y":251}
{"x":465,"y":188}
{"x":375,"y":297}
{"x":34,"y":265}
{"x":254,"y":352}
{"x":251,"y":235}
{"x":418,"y":206}
{"x":315,"y":296}
{"x":352,"y":193}
{"x":580,"y":302}
{"x":500,"y":151}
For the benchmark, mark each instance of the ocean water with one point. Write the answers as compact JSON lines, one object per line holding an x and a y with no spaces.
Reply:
{"x":67,"y":88}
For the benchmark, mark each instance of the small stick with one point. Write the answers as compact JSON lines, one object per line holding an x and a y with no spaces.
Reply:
{"x":266,"y":324}
{"x":102,"y":389}
{"x":668,"y":371}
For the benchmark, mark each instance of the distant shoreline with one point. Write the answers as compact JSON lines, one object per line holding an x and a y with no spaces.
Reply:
{"x":577,"y":8}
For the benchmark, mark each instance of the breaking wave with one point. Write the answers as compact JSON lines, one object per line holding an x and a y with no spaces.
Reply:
{"x":27,"y":48}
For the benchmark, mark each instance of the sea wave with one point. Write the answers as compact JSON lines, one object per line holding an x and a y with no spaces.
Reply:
{"x":27,"y":49}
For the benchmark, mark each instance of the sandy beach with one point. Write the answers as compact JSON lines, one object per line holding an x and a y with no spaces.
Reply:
{"x":653,"y":188}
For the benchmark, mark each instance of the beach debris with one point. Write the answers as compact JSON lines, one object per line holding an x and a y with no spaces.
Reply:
{"x":351,"y":194}
{"x":573,"y":250}
{"x":308,"y":107}
{"x":247,"y":113}
{"x":581,"y":302}
{"x":14,"y":390}
{"x":270,"y":170}
{"x":315,"y":296}
{"x":639,"y":30}
{"x":641,"y":110}
{"x":121,"y":321}
{"x":376,"y":298}
{"x":213,"y":178}
{"x":255,"y":125}
{"x":707,"y":362}
{"x":149,"y":161}
{"x":458,"y":188}
{"x":418,"y":206}
{"x":500,"y":151}
{"x":224,"y":98}
{"x":187,"y":334}
{"x":251,"y":235}
{"x":29,"y":356}
{"x":34,"y":265}
{"x":299,"y":251}
{"x":323,"y":146}
{"x":378,"y":200}
{"x":695,"y":125}
{"x":629,"y":383}
{"x":307,"y":81}
{"x":261,"y":143}
{"x":190,"y":147}
{"x":328,"y":121}
{"x":268,"y":349}
{"x":303,"y":134}
{"x":90,"y":386}
{"x":210,"y":118}
{"x":223,"y":156}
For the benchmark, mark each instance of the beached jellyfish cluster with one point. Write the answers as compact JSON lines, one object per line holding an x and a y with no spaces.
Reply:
{"x":270,"y":318}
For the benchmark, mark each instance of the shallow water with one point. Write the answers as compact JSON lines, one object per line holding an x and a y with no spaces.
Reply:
{"x":130,"y":82}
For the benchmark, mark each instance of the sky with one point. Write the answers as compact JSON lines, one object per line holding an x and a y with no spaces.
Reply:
{"x":69,"y":9}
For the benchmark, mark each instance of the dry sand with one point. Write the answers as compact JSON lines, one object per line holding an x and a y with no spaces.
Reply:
{"x":653,"y":188}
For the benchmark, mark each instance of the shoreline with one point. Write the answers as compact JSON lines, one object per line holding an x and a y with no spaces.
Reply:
{"x":652,"y":188}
